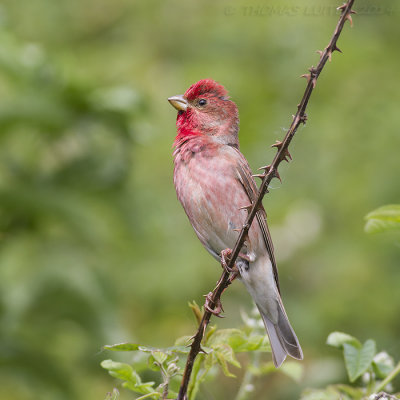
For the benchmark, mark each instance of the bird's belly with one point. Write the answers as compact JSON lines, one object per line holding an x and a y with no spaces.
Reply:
{"x":212,"y":199}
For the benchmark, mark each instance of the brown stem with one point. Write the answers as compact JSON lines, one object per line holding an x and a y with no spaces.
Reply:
{"x":271,"y":171}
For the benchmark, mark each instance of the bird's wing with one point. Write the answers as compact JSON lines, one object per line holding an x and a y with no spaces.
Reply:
{"x":250,"y":187}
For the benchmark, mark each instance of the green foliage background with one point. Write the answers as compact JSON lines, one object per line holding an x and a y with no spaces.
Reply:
{"x":94,"y":247}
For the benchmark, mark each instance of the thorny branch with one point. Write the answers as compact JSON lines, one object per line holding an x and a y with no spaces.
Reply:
{"x":270,"y":172}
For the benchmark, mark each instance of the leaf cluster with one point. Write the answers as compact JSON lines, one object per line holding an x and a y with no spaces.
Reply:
{"x":220,"y":349}
{"x":369,"y":372}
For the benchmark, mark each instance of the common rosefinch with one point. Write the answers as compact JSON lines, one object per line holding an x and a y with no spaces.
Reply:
{"x":213,"y":181}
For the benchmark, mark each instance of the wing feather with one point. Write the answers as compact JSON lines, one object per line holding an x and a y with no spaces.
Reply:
{"x":250,"y":187}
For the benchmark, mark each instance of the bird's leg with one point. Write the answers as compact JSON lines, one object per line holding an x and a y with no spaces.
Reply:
{"x":215,"y":306}
{"x":234,"y":275}
{"x":245,"y":257}
{"x":218,"y":306}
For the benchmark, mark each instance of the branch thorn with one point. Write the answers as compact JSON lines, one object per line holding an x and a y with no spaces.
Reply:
{"x":247,"y":208}
{"x":276,"y":175}
{"x":278,"y":143}
{"x":307,"y":76}
{"x":261,"y":176}
{"x":348,"y":17}
{"x":335,"y":48}
{"x":201,"y":349}
{"x":287,"y":156}
{"x":265,"y":168}
{"x":314,"y":82}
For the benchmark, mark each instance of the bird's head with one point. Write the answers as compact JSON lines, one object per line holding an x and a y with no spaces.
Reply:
{"x":205,"y":109}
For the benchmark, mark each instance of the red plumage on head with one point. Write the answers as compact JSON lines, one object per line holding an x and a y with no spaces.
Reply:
{"x":206,"y":86}
{"x":219,"y":117}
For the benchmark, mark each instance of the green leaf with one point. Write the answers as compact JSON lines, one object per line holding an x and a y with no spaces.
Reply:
{"x":152,"y":364}
{"x":172,"y":394}
{"x":382,"y":384}
{"x":152,"y":395}
{"x":227,"y":352}
{"x":147,"y":349}
{"x":355,"y":393}
{"x":159,"y":356}
{"x":338,"y":339}
{"x":223,"y":336}
{"x":250,"y":343}
{"x":197,"y":377}
{"x":209,"y":360}
{"x":121,"y":371}
{"x":382,"y":370}
{"x":224,"y":366}
{"x":224,"y":354}
{"x":239,"y":341}
{"x":358,"y":360}
{"x":177,"y":349}
{"x":198,"y":313}
{"x":122,"y":347}
{"x":383,"y":219}
{"x":143,"y":388}
{"x":125,"y":372}
{"x":211,"y":330}
{"x":183,"y":341}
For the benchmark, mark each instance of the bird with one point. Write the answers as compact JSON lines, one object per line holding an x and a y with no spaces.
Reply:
{"x":214,"y":184}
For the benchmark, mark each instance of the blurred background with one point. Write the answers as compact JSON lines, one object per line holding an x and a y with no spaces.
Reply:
{"x":94,"y":247}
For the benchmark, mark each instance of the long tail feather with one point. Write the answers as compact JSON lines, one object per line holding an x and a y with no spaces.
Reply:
{"x":260,"y":282}
{"x":282,"y":338}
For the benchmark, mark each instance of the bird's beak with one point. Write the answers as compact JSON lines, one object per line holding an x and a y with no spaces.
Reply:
{"x":179,"y":102}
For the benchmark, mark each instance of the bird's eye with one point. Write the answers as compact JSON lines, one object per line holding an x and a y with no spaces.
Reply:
{"x":202,"y":102}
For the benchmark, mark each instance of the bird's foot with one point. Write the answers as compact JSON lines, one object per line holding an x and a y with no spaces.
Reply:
{"x":234,"y":272}
{"x":217,"y":309}
{"x":225,"y":256}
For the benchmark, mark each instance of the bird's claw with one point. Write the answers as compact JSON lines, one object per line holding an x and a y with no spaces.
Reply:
{"x":234,"y":272}
{"x":215,"y":310}
{"x":225,"y":256}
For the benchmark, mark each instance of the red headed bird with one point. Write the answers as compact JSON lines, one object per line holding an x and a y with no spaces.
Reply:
{"x":213,"y":181}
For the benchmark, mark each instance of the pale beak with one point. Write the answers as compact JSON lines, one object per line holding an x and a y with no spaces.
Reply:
{"x":179,"y":102}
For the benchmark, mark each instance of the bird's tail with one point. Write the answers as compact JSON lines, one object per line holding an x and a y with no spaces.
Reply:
{"x":260,"y":282}
{"x":281,"y":335}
